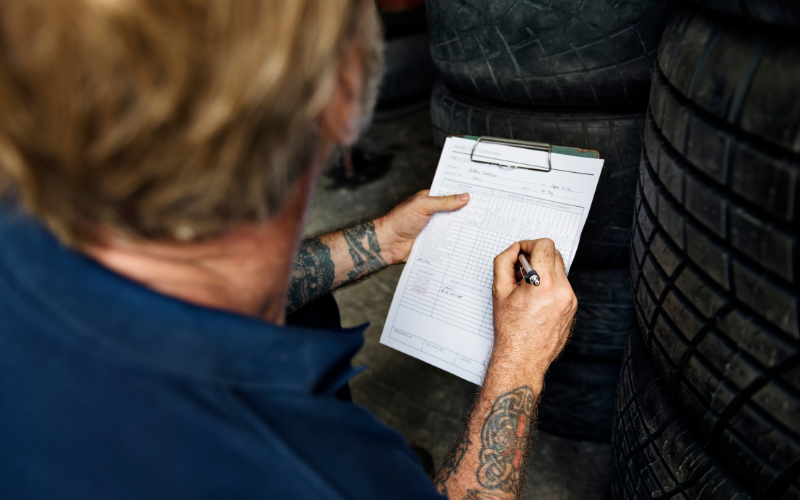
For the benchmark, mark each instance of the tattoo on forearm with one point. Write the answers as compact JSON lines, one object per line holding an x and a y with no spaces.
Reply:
{"x":314,"y":270}
{"x":453,"y":460}
{"x":505,"y":441}
{"x":362,"y":241}
{"x":481,"y":495}
{"x":313,"y":274}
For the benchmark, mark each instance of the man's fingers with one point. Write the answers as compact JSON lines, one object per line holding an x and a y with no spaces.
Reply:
{"x":542,"y":254}
{"x":505,"y":270}
{"x":432,"y":204}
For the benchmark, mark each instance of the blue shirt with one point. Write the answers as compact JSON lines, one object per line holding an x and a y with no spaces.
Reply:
{"x":109,"y":390}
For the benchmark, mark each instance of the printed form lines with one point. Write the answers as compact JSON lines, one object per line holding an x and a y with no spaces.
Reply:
{"x":459,"y":360}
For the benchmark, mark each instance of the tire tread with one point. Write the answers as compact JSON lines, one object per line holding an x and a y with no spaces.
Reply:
{"x":656,"y":454}
{"x":548,"y":54}
{"x":721,"y":352}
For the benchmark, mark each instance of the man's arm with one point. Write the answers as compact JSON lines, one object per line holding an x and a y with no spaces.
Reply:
{"x":325,"y":263}
{"x":532,"y":325}
{"x":490,"y":456}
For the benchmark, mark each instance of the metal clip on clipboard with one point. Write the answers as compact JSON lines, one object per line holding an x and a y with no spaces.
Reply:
{"x":538,"y":146}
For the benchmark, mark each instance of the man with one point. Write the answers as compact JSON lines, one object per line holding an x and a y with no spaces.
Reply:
{"x":158,"y":159}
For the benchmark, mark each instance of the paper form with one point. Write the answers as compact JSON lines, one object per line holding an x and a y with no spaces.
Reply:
{"x":441,"y":312}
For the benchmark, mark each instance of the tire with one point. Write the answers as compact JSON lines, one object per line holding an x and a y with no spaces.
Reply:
{"x":552,"y":52}
{"x":778,"y":12}
{"x":721,"y":331}
{"x":744,"y":75}
{"x":616,"y":133}
{"x":656,"y":454}
{"x":605,"y":312}
{"x":578,"y":399}
{"x":744,"y":192}
{"x":715,"y":243}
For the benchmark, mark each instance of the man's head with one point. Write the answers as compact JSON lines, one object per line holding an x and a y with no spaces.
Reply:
{"x":175,"y":119}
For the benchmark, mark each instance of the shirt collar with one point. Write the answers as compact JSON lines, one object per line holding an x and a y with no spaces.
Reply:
{"x":130,"y":320}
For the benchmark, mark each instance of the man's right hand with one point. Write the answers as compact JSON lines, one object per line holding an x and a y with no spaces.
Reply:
{"x":531,"y":323}
{"x":531,"y":327}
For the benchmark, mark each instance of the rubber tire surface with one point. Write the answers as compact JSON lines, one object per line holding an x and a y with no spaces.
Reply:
{"x":616,"y":133}
{"x":656,"y":454}
{"x":578,"y":398}
{"x":548,"y":52}
{"x":779,"y":12}
{"x":716,"y":242}
{"x":744,"y":74}
{"x":720,"y":329}
{"x":605,"y":312}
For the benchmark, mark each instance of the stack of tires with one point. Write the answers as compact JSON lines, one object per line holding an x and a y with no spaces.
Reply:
{"x":569,"y":73}
{"x":709,"y":396}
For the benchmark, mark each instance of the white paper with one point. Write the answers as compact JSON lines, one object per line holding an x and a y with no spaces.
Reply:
{"x":441,"y":312}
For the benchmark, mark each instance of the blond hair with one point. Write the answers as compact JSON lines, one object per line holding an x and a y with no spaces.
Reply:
{"x":166,"y":119}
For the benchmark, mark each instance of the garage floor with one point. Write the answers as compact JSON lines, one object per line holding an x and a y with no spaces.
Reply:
{"x":423,"y":403}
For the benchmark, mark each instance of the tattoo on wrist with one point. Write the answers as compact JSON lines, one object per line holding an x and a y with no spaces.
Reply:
{"x":453,"y":460}
{"x":313,"y":274}
{"x":505,"y":441}
{"x":362,"y":242}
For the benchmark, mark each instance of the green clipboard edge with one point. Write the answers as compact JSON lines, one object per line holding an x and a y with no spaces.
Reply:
{"x":562,"y":150}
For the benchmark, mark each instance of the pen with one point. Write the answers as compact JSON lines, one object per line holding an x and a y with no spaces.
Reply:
{"x":529,"y":275}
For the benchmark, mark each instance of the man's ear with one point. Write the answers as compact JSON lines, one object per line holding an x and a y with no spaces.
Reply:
{"x":341,"y":116}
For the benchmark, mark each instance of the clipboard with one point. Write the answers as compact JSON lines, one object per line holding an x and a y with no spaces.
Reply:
{"x":538,"y":146}
{"x":435,"y":313}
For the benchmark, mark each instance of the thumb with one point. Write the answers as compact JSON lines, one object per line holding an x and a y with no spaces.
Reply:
{"x":433,"y":204}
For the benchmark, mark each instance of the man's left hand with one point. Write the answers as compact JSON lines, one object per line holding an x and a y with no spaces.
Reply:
{"x":402,"y":225}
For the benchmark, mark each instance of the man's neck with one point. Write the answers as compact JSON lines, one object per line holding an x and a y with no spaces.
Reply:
{"x":246,"y":270}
